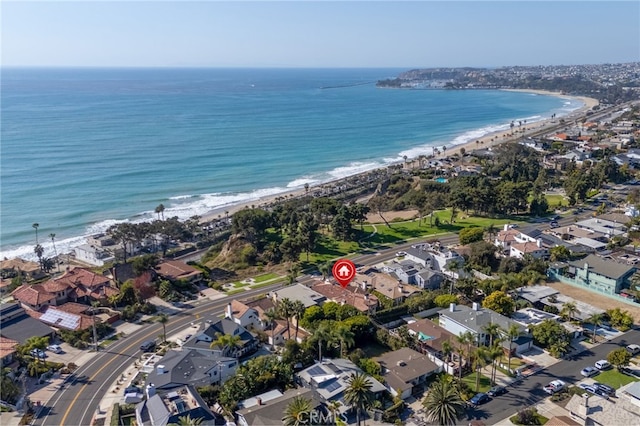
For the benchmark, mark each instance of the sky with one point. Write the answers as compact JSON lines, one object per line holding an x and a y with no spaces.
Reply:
{"x":318,"y":34}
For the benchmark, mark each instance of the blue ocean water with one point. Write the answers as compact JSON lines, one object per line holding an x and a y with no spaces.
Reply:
{"x":82,"y":149}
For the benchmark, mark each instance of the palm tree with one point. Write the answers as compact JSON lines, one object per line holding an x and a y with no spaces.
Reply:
{"x":188,"y":421}
{"x":285,"y":308}
{"x":334,"y":406}
{"x":492,"y":329}
{"x":36,"y":226}
{"x":297,"y":412}
{"x":493,"y":354}
{"x":163,"y":319}
{"x":512,"y":334}
{"x":272,"y":315}
{"x":39,"y":251}
{"x":55,"y":252}
{"x":160,"y":210}
{"x":596,"y":320}
{"x":227,"y":342}
{"x":358,"y":393}
{"x":447,"y":350}
{"x":466,"y":338}
{"x":569,"y":309}
{"x":298,"y":310}
{"x":443,"y":404}
{"x":322,"y":334}
{"x":346,"y":337}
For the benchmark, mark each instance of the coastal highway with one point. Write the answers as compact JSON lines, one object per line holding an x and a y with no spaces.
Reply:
{"x":529,"y":391}
{"x":75,"y":403}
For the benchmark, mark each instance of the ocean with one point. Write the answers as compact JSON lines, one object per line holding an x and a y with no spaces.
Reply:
{"x":82,"y":149}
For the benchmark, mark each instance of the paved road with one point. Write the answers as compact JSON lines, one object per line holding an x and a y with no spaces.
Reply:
{"x":529,"y":391}
{"x":75,"y":404}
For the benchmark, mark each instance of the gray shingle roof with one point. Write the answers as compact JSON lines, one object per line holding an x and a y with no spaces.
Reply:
{"x":478,"y":320}
{"x":185,"y":367}
{"x":607,"y":268}
{"x":272,"y":411}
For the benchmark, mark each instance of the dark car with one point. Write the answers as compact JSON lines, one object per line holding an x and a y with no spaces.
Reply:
{"x":148,"y":346}
{"x":479,"y":399}
{"x":132,"y":389}
{"x":606,"y":388}
{"x":496,"y":391}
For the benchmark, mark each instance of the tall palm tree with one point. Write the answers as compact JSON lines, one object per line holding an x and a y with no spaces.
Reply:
{"x":188,"y":421}
{"x":467,"y":338}
{"x":272,"y":315}
{"x":512,"y":334}
{"x":36,"y":226}
{"x":160,"y":211}
{"x":346,"y":337}
{"x":494,"y":353}
{"x":163,"y":319}
{"x":596,"y":320}
{"x":298,"y":309}
{"x":55,"y":251}
{"x":334,"y":407}
{"x":297,"y":412}
{"x":358,"y":393}
{"x":322,"y":334}
{"x":447,"y":350}
{"x":285,"y":308}
{"x":479,"y":359}
{"x":227,"y":342}
{"x":443,"y":404}
{"x":492,"y":329}
{"x":570,"y":310}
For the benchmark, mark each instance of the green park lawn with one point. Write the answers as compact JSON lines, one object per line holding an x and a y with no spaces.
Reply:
{"x":556,"y":200}
{"x":614,"y":378}
{"x":265,"y":277}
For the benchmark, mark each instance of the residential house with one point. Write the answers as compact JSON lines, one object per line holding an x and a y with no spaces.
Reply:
{"x":351,"y":295}
{"x":69,"y":316}
{"x":18,"y":326}
{"x":29,"y":270}
{"x":594,"y":273}
{"x":299,"y":292}
{"x":409,"y":272}
{"x":388,"y":286}
{"x":590,"y":409}
{"x":405,"y":371}
{"x":514,"y":243}
{"x":164,"y":408}
{"x":459,"y":319}
{"x":269,"y":411}
{"x":211,"y":331}
{"x":33,"y":296}
{"x":329,"y":380}
{"x":243,"y":315}
{"x":529,"y":248}
{"x":190,"y":367}
{"x":93,"y":255}
{"x":437,"y":258}
{"x":7,"y":351}
{"x":175,"y":270}
{"x":430,"y":336}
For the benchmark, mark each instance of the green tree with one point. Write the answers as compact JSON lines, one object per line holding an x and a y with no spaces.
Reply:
{"x":620,"y":319}
{"x":187,"y":420}
{"x":443,"y":404}
{"x":345,"y":336}
{"x":513,"y":333}
{"x":285,"y":309}
{"x":619,"y":358}
{"x":159,"y":210}
{"x":559,"y":253}
{"x":358,"y":393}
{"x":471,"y":235}
{"x":271,"y":316}
{"x":596,"y":321}
{"x":492,"y":330}
{"x":499,"y":302}
{"x":9,"y":390}
{"x":163,"y":319}
{"x":297,"y":310}
{"x":297,"y":412}
{"x":569,"y":310}
{"x":322,"y":335}
{"x":551,"y":335}
{"x":445,"y":300}
{"x":227,"y":342}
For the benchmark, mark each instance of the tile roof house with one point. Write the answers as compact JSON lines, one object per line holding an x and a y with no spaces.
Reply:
{"x":63,"y":317}
{"x":210,"y":331}
{"x":7,"y":350}
{"x":19,"y":326}
{"x":594,"y":273}
{"x":352,"y":295}
{"x":190,"y":367}
{"x":33,"y":296}
{"x":329,"y":380}
{"x":164,"y":408}
{"x":405,"y":371}
{"x":28,"y":269}
{"x":175,"y":270}
{"x":271,"y":411}
{"x":430,"y":335}
{"x":458,"y":319}
{"x":389,"y":287}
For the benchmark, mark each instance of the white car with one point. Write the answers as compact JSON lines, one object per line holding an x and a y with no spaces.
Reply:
{"x":633,"y":349}
{"x":555,"y":386}
{"x":56,"y":349}
{"x":602,"y":364}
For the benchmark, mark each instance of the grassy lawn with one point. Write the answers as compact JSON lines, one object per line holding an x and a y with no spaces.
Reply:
{"x":239,"y":284}
{"x":328,"y":249}
{"x":264,"y":284}
{"x":540,"y":419}
{"x":265,"y":277}
{"x":232,"y":292}
{"x":614,"y":378}
{"x":485,"y":382}
{"x":109,"y":340}
{"x":515,"y":362}
{"x":555,"y":200}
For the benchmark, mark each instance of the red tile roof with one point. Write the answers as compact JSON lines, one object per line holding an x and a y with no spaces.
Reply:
{"x":32,"y":295}
{"x":177,"y":270}
{"x":7,"y":346}
{"x":338,"y":294}
{"x":85,"y":277}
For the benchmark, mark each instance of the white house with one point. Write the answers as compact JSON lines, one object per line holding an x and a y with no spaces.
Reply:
{"x":93,"y":255}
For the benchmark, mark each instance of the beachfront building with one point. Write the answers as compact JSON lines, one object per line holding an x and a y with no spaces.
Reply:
{"x":594,"y":273}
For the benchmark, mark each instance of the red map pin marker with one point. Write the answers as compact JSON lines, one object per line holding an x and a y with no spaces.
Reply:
{"x":344,"y":271}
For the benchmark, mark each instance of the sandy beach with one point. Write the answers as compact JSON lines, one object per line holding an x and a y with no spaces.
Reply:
{"x":489,"y":140}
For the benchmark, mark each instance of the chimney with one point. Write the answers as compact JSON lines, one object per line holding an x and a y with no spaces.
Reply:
{"x":583,"y":409}
{"x":151,"y":390}
{"x":259,"y":401}
{"x":539,"y":242}
{"x":160,"y":369}
{"x":229,"y":313}
{"x":506,"y":227}
{"x":364,"y":285}
{"x":475,"y":306}
{"x":452,"y":307}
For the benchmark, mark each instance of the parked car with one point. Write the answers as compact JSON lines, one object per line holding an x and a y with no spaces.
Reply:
{"x":554,"y":386}
{"x":633,"y":349}
{"x":38,"y":353}
{"x":588,"y":388}
{"x":603,"y":364}
{"x":132,"y":389}
{"x":496,"y":391}
{"x":589,"y":371}
{"x":608,"y":389}
{"x":553,"y":224}
{"x":479,"y":399}
{"x":56,"y":349}
{"x":401,"y":253}
{"x":594,"y":390}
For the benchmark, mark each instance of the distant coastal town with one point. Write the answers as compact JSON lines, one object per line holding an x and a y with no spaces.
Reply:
{"x":497,"y":282}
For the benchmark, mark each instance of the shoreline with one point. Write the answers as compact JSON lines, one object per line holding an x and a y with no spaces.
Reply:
{"x":487,"y":141}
